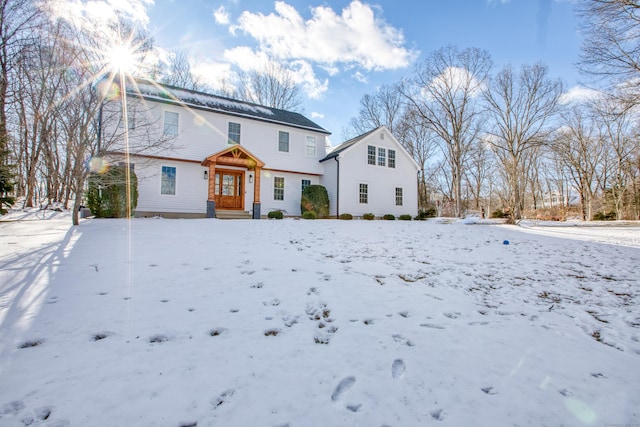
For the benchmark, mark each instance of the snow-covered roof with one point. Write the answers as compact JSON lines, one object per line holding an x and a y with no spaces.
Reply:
{"x":151,"y":90}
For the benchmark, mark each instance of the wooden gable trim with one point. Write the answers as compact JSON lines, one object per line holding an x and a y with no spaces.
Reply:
{"x":236,"y":155}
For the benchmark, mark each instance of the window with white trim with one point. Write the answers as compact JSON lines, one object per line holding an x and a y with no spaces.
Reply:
{"x":283,"y":142}
{"x":168,"y":180}
{"x":364,"y":193}
{"x":278,"y":188}
{"x":398,"y":196}
{"x":371,"y":155}
{"x":382,"y":156}
{"x":310,"y":146}
{"x":305,"y":183}
{"x":171,"y":121}
{"x":392,"y":158}
{"x":234,"y":133}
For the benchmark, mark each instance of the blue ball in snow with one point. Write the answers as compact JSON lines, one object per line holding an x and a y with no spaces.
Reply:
{"x":506,"y":242}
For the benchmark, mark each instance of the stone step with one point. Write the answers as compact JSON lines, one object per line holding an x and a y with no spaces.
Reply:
{"x":232,"y":214}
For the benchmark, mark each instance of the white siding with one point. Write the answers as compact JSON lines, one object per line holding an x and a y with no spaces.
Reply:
{"x":203,"y":133}
{"x":330,"y":182}
{"x":191,"y":187}
{"x":381,"y":180}
{"x":292,"y":192}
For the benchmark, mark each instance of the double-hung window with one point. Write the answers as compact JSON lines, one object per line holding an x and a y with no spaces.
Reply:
{"x":310,"y":146}
{"x":234,"y":133}
{"x":364,"y":193}
{"x":278,"y":188}
{"x":371,"y":155}
{"x":398,"y":196}
{"x":171,"y":121}
{"x":382,"y":156}
{"x":168,"y":180}
{"x":283,"y":142}
{"x":305,"y":183}
{"x":392,"y":158}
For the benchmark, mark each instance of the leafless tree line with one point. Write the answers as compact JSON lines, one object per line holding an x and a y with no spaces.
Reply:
{"x":511,"y":140}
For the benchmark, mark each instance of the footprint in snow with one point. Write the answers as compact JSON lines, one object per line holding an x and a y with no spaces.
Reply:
{"x":342,"y":388}
{"x":397,"y":368}
{"x":438,"y":414}
{"x":431,"y":325}
{"x":223,"y":398}
{"x":489,"y":390}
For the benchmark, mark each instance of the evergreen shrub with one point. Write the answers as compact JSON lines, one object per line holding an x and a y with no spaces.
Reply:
{"x":368,"y":216}
{"x":309,"y":215}
{"x":315,"y":199}
{"x":346,"y":216}
{"x":275,"y":215}
{"x":107,"y":193}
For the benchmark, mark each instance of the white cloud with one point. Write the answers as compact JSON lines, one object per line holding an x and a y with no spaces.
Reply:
{"x":216,"y":75}
{"x":355,"y":36}
{"x":83,"y":13}
{"x":455,"y":80}
{"x":578,"y":94}
{"x":221,"y":16}
{"x":360,"y":77}
{"x":315,"y":115}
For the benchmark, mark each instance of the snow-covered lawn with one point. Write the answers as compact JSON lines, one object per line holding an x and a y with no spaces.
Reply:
{"x":156,"y":322}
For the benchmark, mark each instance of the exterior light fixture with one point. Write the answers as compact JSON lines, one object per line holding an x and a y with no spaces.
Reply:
{"x":206,"y":174}
{"x":250,"y":178}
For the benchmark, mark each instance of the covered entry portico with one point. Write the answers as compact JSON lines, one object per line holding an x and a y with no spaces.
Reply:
{"x":228,"y":171}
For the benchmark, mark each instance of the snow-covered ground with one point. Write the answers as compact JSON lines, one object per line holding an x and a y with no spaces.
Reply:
{"x":156,"y":322}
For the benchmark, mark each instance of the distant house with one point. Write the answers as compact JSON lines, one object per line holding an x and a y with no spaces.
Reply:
{"x":201,"y":155}
{"x":371,"y":173}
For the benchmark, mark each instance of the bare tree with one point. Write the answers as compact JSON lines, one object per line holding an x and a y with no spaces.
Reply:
{"x":611,"y":47}
{"x":579,"y":147}
{"x":477,"y":171}
{"x":179,"y":72}
{"x":615,"y":123}
{"x":444,"y":93}
{"x":384,"y":108}
{"x":18,"y":18}
{"x":520,"y":107}
{"x":421,"y":143}
{"x":272,"y":86}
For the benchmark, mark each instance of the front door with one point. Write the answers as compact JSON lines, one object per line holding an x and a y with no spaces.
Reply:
{"x":229,"y":193}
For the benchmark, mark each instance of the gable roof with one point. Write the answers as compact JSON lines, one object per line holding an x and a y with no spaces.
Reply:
{"x":350,"y":143}
{"x":151,"y":90}
{"x":347,"y":144}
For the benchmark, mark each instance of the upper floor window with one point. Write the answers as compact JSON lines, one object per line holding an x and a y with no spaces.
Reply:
{"x":398,"y":196}
{"x":310,"y":146}
{"x":382,"y":157}
{"x":278,"y":188}
{"x":234,"y":133}
{"x":305,"y":183}
{"x":283,"y":141}
{"x":392,"y":158}
{"x":168,"y":180}
{"x":131,"y":120}
{"x":171,"y":120}
{"x":371,"y":154}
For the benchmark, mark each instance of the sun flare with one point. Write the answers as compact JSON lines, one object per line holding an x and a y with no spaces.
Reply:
{"x":121,"y":59}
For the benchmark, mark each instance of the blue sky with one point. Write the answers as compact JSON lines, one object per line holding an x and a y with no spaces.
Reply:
{"x":342,"y":50}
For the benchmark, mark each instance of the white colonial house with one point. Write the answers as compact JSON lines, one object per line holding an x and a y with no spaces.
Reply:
{"x":201,"y":155}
